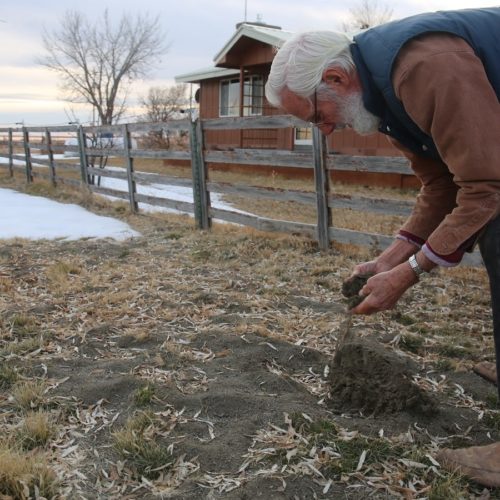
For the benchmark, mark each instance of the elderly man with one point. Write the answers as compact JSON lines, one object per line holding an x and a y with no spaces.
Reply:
{"x":431,"y":83}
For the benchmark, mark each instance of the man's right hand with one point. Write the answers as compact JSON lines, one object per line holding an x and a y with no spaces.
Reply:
{"x":396,"y":253}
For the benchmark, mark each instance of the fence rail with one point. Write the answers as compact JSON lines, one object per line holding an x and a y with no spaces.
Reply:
{"x":19,"y":147}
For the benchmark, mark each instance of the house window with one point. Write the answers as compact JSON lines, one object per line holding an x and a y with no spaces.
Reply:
{"x":230,"y":98}
{"x":253,"y":96}
{"x":303,"y":136}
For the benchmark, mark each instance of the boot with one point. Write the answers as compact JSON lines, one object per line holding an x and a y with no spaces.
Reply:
{"x":479,"y":463}
{"x":486,"y":370}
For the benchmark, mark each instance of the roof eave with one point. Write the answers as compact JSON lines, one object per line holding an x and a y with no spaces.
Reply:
{"x":250,"y":32}
{"x":205,"y":74}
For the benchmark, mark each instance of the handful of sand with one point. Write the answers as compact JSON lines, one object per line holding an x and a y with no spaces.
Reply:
{"x":351,"y":288}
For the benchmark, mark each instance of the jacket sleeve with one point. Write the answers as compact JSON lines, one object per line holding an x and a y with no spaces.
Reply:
{"x":444,"y":89}
{"x":436,"y":199}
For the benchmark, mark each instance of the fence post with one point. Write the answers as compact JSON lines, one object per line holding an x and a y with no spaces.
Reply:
{"x":50,"y":153}
{"x":201,"y":196}
{"x":27,"y":155}
{"x":132,"y":189}
{"x":11,"y":153}
{"x":321,"y":180}
{"x":82,"y":146}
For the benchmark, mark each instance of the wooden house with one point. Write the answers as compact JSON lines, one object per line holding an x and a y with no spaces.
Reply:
{"x":234,"y":86}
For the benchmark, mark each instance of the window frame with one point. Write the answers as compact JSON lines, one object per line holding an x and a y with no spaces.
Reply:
{"x":302,"y":142}
{"x":249,"y":107}
{"x":221,"y":83}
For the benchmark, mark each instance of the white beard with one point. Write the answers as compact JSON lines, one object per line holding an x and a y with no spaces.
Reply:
{"x":357,"y":116}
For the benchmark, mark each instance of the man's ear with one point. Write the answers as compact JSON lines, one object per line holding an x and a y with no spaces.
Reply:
{"x":337,"y":78}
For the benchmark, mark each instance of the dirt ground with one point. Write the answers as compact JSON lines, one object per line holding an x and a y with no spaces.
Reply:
{"x":198,"y":365}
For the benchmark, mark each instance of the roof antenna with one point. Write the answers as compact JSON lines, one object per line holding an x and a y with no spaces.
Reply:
{"x":245,"y":11}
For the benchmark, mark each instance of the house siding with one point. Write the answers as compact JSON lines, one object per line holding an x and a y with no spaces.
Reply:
{"x":248,"y":138}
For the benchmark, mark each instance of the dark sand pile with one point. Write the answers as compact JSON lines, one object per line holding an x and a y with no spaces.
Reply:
{"x":368,"y":378}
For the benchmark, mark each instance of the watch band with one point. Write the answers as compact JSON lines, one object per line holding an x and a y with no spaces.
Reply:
{"x":414,"y":265}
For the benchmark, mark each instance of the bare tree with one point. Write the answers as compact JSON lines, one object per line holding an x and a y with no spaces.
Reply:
{"x":367,"y":13}
{"x":97,"y":62}
{"x":162,"y":104}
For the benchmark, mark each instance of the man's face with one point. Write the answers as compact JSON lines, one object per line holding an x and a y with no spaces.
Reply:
{"x":323,"y":113}
{"x":331,"y":112}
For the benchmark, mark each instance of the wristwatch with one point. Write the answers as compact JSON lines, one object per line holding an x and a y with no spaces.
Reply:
{"x":414,"y":265}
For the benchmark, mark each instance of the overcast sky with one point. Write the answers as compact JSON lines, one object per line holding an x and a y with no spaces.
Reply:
{"x":195,"y":29}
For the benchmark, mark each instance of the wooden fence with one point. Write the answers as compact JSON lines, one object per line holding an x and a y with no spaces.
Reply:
{"x":322,"y":163}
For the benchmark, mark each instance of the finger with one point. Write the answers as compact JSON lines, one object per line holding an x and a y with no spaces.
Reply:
{"x":360,"y":269}
{"x":372,"y":302}
{"x":364,"y":308}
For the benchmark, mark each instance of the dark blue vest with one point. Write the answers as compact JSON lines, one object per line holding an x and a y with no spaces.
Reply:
{"x":375,"y":50}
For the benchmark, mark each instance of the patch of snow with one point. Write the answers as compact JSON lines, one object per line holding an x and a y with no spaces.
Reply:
{"x":35,"y":217}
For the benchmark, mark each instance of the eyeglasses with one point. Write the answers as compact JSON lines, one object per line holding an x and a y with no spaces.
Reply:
{"x":315,"y":118}
{"x":315,"y":109}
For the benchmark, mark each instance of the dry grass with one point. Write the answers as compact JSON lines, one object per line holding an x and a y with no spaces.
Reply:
{"x":22,"y":323}
{"x":145,"y":395}
{"x":135,"y":443}
{"x":445,"y":488}
{"x":26,"y":475}
{"x":23,"y":347}
{"x":36,"y":430}
{"x":92,"y":330}
{"x":61,"y":272}
{"x":29,"y":395}
{"x":8,"y":376}
{"x":343,"y":218}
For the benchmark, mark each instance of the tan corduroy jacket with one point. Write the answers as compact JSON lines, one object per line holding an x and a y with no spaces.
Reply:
{"x":444,"y":89}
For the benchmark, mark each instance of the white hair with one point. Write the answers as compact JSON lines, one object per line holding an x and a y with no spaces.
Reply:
{"x":300,"y":62}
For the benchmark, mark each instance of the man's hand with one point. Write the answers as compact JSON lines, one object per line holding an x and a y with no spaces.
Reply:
{"x":371,"y":267}
{"x":396,"y":253}
{"x":383,"y":290}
